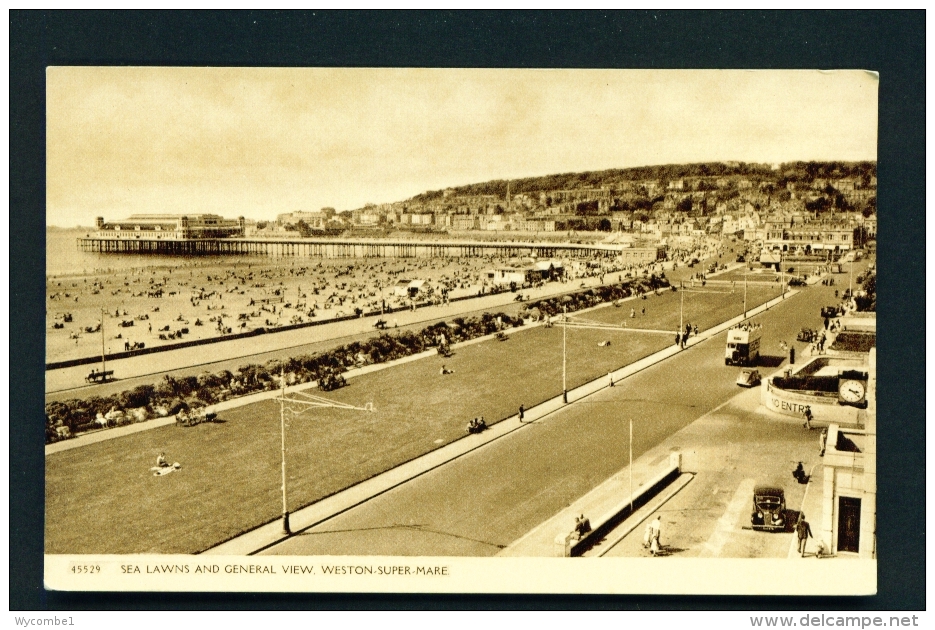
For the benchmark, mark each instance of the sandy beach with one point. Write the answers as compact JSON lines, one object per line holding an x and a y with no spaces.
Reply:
{"x":202,"y":298}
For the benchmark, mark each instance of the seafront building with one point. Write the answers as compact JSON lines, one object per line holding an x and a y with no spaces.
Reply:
{"x":171,"y":226}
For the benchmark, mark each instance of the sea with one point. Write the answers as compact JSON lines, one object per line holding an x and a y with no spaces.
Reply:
{"x":63,"y":258}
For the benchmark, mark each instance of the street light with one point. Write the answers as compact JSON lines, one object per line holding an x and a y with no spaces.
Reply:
{"x":630,"y":466}
{"x":103,"y":352}
{"x":782,"y":283}
{"x":564,"y":349}
{"x":310,"y":402}
{"x":850,"y":284}
{"x":681,"y":302}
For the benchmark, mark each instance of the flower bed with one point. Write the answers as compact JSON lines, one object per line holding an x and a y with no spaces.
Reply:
{"x":848,"y":341}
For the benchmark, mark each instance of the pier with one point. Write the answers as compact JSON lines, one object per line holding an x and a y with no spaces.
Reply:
{"x":353,"y":248}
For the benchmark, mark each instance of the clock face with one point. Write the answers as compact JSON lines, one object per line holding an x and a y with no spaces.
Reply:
{"x":852,"y":391}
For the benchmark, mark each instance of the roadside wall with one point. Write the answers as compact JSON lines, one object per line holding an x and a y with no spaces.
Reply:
{"x":825,"y":407}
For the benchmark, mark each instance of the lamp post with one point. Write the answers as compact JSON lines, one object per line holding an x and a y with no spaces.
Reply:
{"x":282,"y":434}
{"x":630,"y":466}
{"x":681,"y":303}
{"x":850,"y":283}
{"x":103,"y":352}
{"x":310,"y":402}
{"x":564,"y":350}
{"x":745,"y":295}
{"x":782,"y":283}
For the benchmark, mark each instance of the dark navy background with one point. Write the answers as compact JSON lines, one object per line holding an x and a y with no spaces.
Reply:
{"x":891,"y":43}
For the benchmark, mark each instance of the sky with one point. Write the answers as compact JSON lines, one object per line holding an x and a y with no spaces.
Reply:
{"x":258,"y":142}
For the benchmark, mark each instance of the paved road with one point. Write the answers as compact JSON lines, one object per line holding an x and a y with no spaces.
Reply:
{"x":482,"y":502}
{"x":732,"y":449}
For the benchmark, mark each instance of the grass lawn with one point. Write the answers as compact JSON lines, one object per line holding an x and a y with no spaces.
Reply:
{"x":101,"y":498}
{"x":756,"y":275}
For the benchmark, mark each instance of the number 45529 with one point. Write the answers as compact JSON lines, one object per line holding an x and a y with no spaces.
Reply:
{"x":86,"y":568}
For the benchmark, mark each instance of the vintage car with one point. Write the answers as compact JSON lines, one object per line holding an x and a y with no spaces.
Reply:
{"x":748,"y":378}
{"x":769,"y":508}
{"x":807,"y":334}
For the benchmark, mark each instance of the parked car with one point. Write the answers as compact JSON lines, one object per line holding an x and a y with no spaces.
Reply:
{"x":769,"y":508}
{"x":807,"y":335}
{"x":748,"y":378}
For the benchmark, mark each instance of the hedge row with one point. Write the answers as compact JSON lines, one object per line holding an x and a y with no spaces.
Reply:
{"x":171,"y":394}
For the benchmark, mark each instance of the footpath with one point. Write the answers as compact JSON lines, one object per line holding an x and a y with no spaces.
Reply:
{"x":536,"y":544}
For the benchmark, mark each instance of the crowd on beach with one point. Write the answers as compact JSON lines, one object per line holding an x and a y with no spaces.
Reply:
{"x":157,"y":305}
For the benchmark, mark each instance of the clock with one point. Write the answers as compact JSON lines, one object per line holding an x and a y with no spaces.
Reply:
{"x":850,"y":391}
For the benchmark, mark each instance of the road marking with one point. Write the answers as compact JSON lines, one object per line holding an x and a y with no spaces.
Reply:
{"x":617,"y":328}
{"x":727,"y":525}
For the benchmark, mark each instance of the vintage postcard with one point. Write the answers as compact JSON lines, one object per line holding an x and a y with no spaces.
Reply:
{"x":438,"y":330}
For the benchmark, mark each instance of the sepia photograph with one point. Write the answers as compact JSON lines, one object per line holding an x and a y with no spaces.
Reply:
{"x":461,"y":330}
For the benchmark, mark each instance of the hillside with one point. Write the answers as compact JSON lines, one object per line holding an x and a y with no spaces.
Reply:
{"x":799,"y":172}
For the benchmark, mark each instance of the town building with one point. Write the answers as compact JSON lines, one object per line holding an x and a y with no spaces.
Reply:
{"x":314,"y":220}
{"x":849,"y":482}
{"x":784,"y":234}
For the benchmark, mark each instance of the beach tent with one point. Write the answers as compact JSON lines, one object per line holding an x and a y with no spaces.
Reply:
{"x":401,"y":288}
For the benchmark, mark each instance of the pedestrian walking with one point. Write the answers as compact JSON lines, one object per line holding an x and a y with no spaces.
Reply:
{"x":655,"y":532}
{"x":822,"y":442}
{"x":678,"y":338}
{"x":808,"y":417}
{"x":804,"y":532}
{"x":522,"y":413}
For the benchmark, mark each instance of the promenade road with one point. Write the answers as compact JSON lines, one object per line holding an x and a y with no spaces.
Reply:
{"x":729,"y":451}
{"x":480,"y":503}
